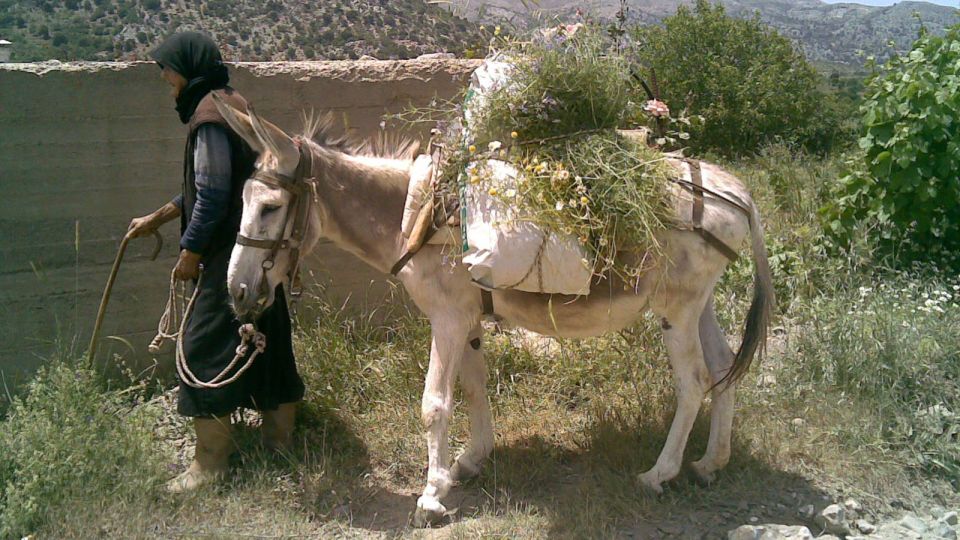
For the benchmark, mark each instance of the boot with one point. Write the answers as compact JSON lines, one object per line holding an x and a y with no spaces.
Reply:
{"x":210,"y":457}
{"x":277,"y":427}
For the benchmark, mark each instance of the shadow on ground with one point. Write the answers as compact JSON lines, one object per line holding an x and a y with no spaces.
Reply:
{"x":591,"y":491}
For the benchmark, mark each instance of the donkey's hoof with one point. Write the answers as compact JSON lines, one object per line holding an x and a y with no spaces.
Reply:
{"x":651,"y":484}
{"x":429,"y":512}
{"x":463,"y":469}
{"x":702,"y":475}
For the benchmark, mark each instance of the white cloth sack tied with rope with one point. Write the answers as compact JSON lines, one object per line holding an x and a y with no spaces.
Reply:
{"x":506,"y":251}
{"x":503,"y":250}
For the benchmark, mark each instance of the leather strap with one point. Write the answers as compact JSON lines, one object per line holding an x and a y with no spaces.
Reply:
{"x":486,"y":297}
{"x":696,"y":178}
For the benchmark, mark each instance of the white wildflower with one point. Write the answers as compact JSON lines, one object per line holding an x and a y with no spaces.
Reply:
{"x":494,"y":146}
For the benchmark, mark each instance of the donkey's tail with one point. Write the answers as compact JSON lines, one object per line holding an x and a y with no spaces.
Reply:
{"x":761,"y":308}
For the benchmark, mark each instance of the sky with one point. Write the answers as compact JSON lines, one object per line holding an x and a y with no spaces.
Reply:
{"x":951,"y":3}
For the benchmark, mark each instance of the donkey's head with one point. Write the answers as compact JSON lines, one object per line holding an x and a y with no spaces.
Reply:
{"x":275,"y":222}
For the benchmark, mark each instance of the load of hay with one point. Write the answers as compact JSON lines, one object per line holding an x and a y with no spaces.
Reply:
{"x":555,"y":120}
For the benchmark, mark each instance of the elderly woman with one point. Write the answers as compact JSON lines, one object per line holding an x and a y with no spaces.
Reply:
{"x":216,"y":164}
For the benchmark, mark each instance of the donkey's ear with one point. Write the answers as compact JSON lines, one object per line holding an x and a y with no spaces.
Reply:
{"x":238,"y":122}
{"x":277,"y":142}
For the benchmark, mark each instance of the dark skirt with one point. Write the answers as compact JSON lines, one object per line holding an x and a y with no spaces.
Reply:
{"x":209,"y":344}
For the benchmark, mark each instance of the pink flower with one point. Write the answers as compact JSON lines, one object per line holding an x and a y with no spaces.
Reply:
{"x":657,"y":108}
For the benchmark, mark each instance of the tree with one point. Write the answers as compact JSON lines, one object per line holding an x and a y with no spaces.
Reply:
{"x":904,"y":189}
{"x":748,"y":83}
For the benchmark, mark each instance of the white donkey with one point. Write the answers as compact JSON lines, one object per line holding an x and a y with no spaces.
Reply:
{"x":356,"y":199}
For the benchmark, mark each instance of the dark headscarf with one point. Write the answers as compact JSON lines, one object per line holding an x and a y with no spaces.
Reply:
{"x":197,"y":58}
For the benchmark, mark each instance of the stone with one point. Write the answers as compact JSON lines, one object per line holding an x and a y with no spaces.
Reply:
{"x":913,"y":523}
{"x":950,"y":518}
{"x":865,"y":526}
{"x":770,"y":532}
{"x":806,"y":511}
{"x":896,"y":531}
{"x":853,"y":508}
{"x":942,"y":530}
{"x":833,"y":520}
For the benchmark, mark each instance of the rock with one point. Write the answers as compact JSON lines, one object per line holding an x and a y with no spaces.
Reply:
{"x":833,"y":520}
{"x":436,"y":56}
{"x":865,"y":526}
{"x":828,"y":537}
{"x":852,"y":507}
{"x":897,"y":531}
{"x":950,"y":518}
{"x":770,"y":532}
{"x":367,"y":58}
{"x":913,"y":523}
{"x":943,"y":530}
{"x":806,"y":511}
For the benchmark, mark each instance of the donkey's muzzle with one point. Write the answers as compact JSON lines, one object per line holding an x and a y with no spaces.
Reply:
{"x":249,"y":300}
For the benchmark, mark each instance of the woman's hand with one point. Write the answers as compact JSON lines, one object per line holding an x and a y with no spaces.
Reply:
{"x":188,"y":265}
{"x":143,"y":226}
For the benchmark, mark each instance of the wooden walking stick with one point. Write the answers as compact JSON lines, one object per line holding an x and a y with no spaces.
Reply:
{"x":92,"y":350}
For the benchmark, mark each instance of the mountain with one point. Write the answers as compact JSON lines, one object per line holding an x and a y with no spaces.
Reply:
{"x":245,"y":29}
{"x":833,"y":33}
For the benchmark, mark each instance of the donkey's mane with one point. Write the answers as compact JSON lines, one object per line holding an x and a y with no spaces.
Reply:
{"x":322,"y":130}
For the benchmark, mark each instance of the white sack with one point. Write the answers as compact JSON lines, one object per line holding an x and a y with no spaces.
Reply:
{"x":503,"y":250}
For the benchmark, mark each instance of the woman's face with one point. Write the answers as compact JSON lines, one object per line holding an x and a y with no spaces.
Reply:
{"x":175,"y":80}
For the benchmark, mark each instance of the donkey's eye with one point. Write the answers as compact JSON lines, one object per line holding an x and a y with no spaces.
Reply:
{"x":269,"y":209}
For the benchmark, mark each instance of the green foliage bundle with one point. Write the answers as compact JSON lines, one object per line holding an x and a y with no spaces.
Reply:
{"x":747,"y":83}
{"x":559,"y":85}
{"x":903,"y":191}
{"x":567,"y":94}
{"x":70,"y":441}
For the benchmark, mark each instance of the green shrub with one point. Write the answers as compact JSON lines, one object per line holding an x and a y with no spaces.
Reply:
{"x":70,"y":443}
{"x":748,"y":83}
{"x":893,"y":346}
{"x":903,"y":190}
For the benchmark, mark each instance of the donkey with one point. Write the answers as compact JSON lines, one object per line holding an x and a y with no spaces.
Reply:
{"x":357,"y":200}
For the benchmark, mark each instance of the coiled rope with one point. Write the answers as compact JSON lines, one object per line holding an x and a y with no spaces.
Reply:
{"x":176,"y":311}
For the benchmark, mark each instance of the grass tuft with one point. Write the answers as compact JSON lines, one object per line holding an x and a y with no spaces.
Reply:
{"x":70,"y":442}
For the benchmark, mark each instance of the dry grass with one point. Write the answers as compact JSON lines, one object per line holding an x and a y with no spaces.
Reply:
{"x":575,"y":423}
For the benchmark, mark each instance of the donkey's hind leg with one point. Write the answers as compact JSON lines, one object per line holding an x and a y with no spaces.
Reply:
{"x":682,"y":340}
{"x":719,"y":359}
{"x":473,"y":380}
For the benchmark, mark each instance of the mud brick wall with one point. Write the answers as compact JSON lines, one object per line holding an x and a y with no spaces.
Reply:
{"x":84,"y":147}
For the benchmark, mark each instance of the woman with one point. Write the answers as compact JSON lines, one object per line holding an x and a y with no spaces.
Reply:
{"x":216,"y":164}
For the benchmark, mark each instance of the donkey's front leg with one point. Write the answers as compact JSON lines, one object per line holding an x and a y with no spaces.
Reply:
{"x":473,"y":380}
{"x":436,"y":409}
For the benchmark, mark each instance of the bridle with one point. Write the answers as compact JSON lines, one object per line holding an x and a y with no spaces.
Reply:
{"x":300,"y":185}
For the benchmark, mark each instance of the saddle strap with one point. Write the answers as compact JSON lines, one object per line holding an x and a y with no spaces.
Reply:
{"x":486,"y":297}
{"x":696,"y":178}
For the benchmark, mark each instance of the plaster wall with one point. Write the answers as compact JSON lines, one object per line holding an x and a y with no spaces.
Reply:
{"x":84,"y":147}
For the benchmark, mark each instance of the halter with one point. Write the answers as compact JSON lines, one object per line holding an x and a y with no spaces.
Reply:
{"x":297,"y":185}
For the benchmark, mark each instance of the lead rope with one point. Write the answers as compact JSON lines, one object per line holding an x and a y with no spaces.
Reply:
{"x":168,"y":321}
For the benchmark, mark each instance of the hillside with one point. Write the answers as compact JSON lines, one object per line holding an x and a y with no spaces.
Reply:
{"x":246,"y":29}
{"x":826,"y":32}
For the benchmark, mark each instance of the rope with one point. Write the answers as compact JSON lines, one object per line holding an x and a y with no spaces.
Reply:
{"x":168,"y":321}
